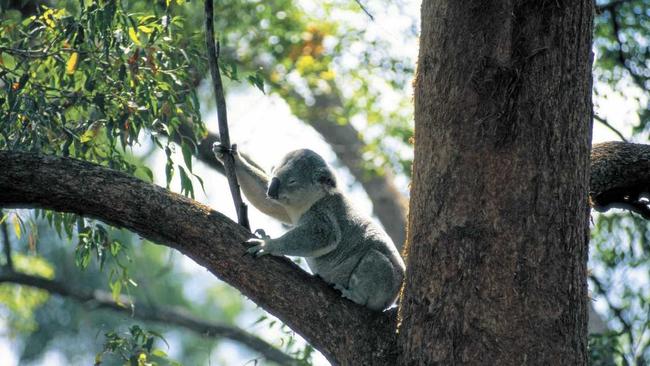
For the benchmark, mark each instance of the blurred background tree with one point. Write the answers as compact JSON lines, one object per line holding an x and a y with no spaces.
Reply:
{"x":121,"y":84}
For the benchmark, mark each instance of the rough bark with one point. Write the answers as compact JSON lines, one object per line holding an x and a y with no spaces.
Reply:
{"x":344,"y":332}
{"x":160,"y":314}
{"x":498,"y":230}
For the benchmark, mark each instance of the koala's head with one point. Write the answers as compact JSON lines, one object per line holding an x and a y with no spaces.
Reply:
{"x":301,"y":177}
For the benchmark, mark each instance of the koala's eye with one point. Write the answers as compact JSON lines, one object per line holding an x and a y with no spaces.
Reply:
{"x":292,"y":181}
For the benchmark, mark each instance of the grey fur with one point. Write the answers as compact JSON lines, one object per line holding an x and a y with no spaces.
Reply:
{"x":343,"y":247}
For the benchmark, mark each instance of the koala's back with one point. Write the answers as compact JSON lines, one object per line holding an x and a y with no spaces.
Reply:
{"x":356,"y":235}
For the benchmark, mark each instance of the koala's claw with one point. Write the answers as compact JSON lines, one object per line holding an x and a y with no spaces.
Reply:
{"x":261,"y":234}
{"x":220,"y":150}
{"x":258,"y":247}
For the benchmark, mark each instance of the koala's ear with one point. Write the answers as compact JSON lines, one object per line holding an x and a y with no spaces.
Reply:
{"x":325,"y":177}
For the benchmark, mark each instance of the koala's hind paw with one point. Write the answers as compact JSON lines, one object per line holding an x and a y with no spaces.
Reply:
{"x":258,"y":247}
{"x":350,"y":295}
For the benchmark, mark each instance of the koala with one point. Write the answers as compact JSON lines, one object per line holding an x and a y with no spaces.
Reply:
{"x":341,"y":246}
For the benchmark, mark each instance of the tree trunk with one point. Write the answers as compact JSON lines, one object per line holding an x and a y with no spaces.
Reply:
{"x":498,"y":230}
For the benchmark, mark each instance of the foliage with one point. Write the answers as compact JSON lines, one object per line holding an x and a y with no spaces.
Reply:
{"x":620,"y":253}
{"x":135,"y":348}
{"x":622,"y":29}
{"x":77,"y":329}
{"x":619,"y":277}
{"x":604,"y":349}
{"x":21,"y":302}
{"x":86,"y":82}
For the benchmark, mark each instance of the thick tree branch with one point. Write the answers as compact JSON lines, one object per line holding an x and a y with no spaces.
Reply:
{"x":161,"y":314}
{"x":336,"y":327}
{"x":620,"y":177}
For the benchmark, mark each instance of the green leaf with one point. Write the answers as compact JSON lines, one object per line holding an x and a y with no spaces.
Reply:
{"x":148,"y":173}
{"x":257,"y":80}
{"x":134,"y":36}
{"x":116,"y":290}
{"x":186,"y":183}
{"x":159,"y":353}
{"x":187,"y":156}
{"x":88,"y":135}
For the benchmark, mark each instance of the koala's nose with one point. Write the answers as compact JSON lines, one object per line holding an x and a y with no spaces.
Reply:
{"x":273,"y":188}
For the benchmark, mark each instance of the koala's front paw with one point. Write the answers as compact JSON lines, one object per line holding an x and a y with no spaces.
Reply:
{"x":259,"y":247}
{"x":221,"y":150}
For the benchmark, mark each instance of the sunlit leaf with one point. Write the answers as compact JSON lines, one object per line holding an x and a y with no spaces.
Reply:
{"x":88,"y":135}
{"x":134,"y":36}
{"x":159,"y":353}
{"x":116,"y":290}
{"x":73,"y":62}
{"x":145,"y":29}
{"x":17,"y":229}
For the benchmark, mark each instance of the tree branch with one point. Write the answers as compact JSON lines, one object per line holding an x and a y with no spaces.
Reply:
{"x":606,"y":123}
{"x":363,"y":8}
{"x":620,"y":177}
{"x":337,"y":327}
{"x":222,"y":116}
{"x":166,"y":315}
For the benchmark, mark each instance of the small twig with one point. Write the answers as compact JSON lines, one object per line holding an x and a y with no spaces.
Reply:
{"x":228,"y":159}
{"x":365,"y":10}
{"x":7,"y":245}
{"x":41,"y":53}
{"x":606,"y":123}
